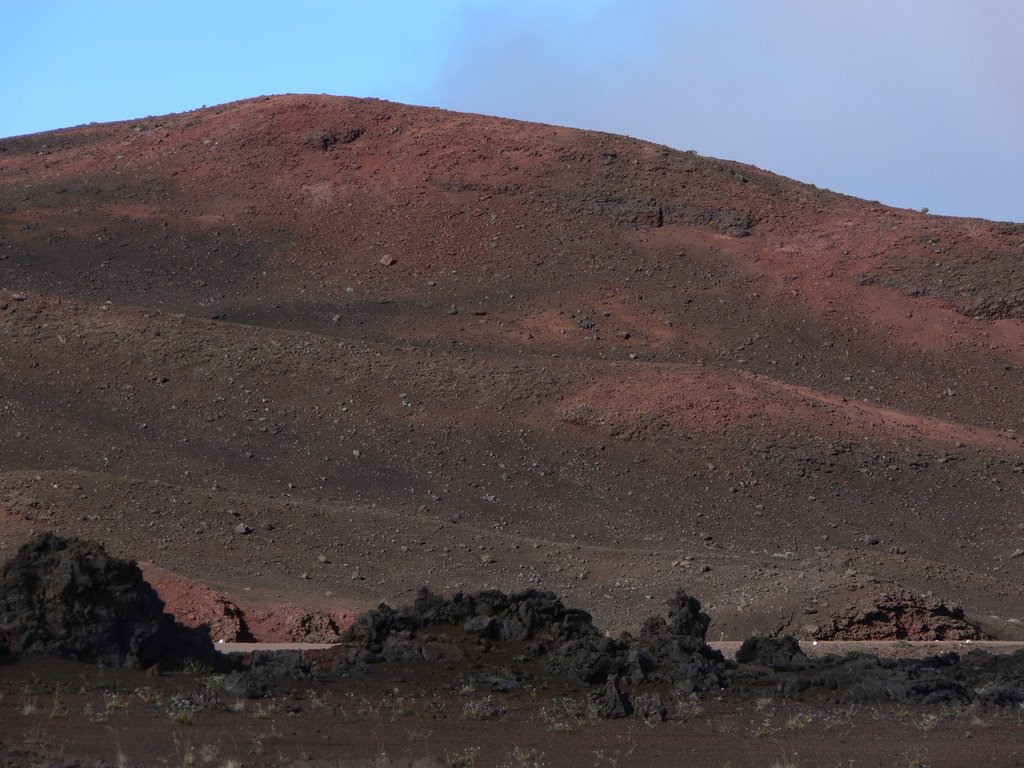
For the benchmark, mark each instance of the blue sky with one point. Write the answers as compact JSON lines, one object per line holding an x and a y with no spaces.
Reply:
{"x":911,"y":102}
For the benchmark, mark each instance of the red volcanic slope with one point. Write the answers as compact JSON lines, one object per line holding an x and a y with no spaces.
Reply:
{"x":403,"y":345}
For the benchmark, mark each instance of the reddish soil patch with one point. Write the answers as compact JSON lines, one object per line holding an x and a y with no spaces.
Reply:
{"x":901,"y":617}
{"x":195,"y":604}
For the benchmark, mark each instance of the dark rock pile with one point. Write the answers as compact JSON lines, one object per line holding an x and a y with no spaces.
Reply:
{"x":669,"y":654}
{"x":69,"y":598}
{"x":541,"y":627}
{"x":777,"y":653}
{"x":777,"y":666}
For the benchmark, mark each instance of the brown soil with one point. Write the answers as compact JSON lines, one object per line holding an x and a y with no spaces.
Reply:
{"x":353,"y":347}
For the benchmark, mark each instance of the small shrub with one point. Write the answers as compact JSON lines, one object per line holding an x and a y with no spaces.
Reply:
{"x":800,"y":720}
{"x":482,"y":709}
{"x":464,"y":759}
{"x":195,"y":667}
{"x":182,"y":712}
{"x":112,"y":701}
{"x":527,"y":758}
{"x":29,"y":704}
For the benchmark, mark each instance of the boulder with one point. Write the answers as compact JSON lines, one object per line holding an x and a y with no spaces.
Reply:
{"x":650,"y":708}
{"x":610,"y":703}
{"x":774,"y":652}
{"x":899,"y":616}
{"x":69,"y":598}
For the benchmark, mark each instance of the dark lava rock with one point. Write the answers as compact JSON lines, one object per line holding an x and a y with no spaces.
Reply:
{"x":610,"y":703}
{"x":678,"y":647}
{"x":273,"y":665}
{"x":638,"y":666}
{"x":442,"y":652}
{"x":265,"y":669}
{"x":245,"y":685}
{"x":536,"y":626}
{"x":650,"y":707}
{"x":539,"y":620}
{"x":69,"y":598}
{"x":587,"y":660}
{"x":949,"y":679}
{"x":566,"y":638}
{"x":774,"y":652}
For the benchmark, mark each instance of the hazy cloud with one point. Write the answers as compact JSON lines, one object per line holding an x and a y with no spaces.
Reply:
{"x":914,"y":103}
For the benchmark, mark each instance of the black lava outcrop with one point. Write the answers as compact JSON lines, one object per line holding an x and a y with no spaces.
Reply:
{"x":669,"y":654}
{"x":678,"y":648}
{"x":774,"y":652}
{"x":777,"y":666}
{"x":69,"y":598}
{"x":542,"y":628}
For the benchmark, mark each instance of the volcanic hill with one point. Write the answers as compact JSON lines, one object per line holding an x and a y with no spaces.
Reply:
{"x":315,"y":352}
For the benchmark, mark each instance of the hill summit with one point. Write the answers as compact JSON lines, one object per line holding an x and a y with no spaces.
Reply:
{"x":321,"y":350}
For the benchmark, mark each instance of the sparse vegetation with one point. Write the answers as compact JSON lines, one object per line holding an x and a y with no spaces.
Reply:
{"x":196,"y":667}
{"x":687,"y":706}
{"x":527,"y":758}
{"x":395,"y":706}
{"x":29,"y":704}
{"x":564,"y":714}
{"x":181,"y":711}
{"x":482,"y":709}
{"x":113,"y":701}
{"x":800,"y":720}
{"x":265,"y":709}
{"x":466,"y":758}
